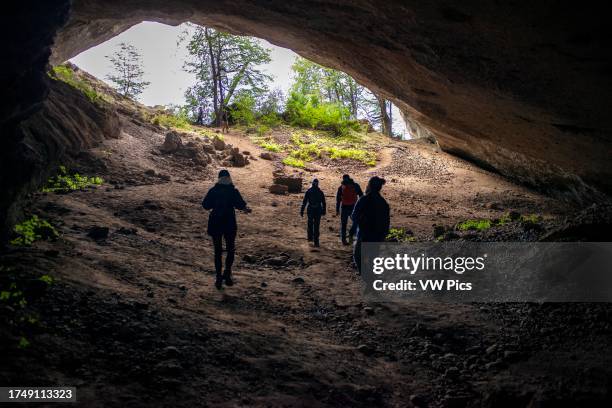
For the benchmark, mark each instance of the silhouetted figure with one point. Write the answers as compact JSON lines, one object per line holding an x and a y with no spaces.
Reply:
{"x":346,"y":197}
{"x":224,"y":121}
{"x":371,"y":214}
{"x":314,"y":201}
{"x":222,"y":199}
{"x":200,"y":120}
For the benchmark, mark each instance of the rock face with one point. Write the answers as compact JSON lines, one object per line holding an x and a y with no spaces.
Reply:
{"x":522,"y":88}
{"x":66,"y":124}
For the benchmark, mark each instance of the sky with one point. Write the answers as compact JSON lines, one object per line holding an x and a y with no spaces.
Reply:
{"x":163,"y":57}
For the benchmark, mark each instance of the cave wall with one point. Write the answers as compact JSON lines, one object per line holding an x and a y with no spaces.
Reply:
{"x":521,"y":87}
{"x":66,"y":123}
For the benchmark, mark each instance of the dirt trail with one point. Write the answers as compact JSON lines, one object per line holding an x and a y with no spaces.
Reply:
{"x":136,"y":321}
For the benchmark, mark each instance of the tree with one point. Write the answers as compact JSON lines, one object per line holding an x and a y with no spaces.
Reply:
{"x":330,"y":85}
{"x":128,"y":72}
{"x":225,"y":66}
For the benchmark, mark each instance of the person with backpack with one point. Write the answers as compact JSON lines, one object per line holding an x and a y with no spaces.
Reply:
{"x":372,"y":216}
{"x":346,"y":197}
{"x":223,"y":198}
{"x":314,"y":201}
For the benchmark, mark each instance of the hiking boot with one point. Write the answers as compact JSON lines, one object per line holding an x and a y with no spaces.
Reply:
{"x":227,"y":277}
{"x":219,"y":282}
{"x":344,"y":242}
{"x":316,"y":244}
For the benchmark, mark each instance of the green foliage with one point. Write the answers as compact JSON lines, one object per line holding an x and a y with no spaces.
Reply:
{"x":531,"y":218}
{"x":293,"y":162}
{"x":64,"y":182}
{"x":23,"y":343}
{"x":242,"y":111}
{"x":477,"y":225}
{"x":171,"y":121}
{"x":48,"y":279}
{"x":32,"y":230}
{"x":129,"y":74}
{"x":400,"y":235}
{"x":224,"y":66}
{"x":65,"y":74}
{"x":364,"y":156}
{"x":308,"y":111}
{"x":270,"y":146}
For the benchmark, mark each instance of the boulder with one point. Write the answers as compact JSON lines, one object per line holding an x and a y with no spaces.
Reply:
{"x":218,"y":144}
{"x":237,"y":158}
{"x":266,"y":156}
{"x":280,"y":189}
{"x":208,"y":148}
{"x":172,"y":143}
{"x":293,"y":183}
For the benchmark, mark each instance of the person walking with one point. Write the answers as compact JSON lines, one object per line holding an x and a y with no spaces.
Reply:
{"x":372,"y":216}
{"x":223,"y":198}
{"x":347,"y":195}
{"x":200,"y":120}
{"x":314,"y":203}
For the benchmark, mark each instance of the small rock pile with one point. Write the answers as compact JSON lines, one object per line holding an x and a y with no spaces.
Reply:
{"x":202,"y":153}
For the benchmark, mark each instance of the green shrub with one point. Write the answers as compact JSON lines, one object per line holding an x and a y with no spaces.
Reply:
{"x":32,"y":230}
{"x":293,"y":162}
{"x":478,"y":225}
{"x":363,"y":156}
{"x":271,"y":146}
{"x":169,"y":120}
{"x":400,"y":235}
{"x":64,"y":182}
{"x":242,"y":111}
{"x":308,"y":111}
{"x":65,"y":74}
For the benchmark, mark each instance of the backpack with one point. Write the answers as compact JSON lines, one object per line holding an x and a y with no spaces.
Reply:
{"x":349,"y":194}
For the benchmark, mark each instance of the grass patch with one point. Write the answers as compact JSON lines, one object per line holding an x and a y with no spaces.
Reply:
{"x":65,"y":74}
{"x":32,"y":230}
{"x":293,"y":162}
{"x":474,"y":225}
{"x":400,"y":235}
{"x":361,"y":155}
{"x":64,"y":182}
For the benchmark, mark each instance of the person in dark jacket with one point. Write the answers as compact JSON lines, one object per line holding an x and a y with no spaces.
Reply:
{"x":314,"y":201}
{"x":372,"y":216}
{"x":222,"y":199}
{"x":346,"y":197}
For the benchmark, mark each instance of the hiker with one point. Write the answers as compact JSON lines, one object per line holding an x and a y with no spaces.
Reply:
{"x":200,"y":120}
{"x":371,"y":214}
{"x":314,"y":199}
{"x":222,"y":199}
{"x":224,"y":121}
{"x":346,"y":197}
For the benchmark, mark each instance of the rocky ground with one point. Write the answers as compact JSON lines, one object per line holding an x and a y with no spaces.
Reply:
{"x":132,"y":317}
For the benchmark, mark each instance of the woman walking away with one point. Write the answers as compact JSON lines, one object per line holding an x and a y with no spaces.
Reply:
{"x":371,"y":214}
{"x":346,"y":197}
{"x":314,"y":199}
{"x":222,"y":199}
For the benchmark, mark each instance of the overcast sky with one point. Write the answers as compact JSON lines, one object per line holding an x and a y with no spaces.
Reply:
{"x":163,"y":63}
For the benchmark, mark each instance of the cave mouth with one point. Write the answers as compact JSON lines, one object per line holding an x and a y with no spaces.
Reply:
{"x":109,"y":278}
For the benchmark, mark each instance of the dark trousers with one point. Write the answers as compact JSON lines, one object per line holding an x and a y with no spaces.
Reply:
{"x":345,"y":213}
{"x":357,"y":254}
{"x":314,"y":221}
{"x":230,"y":248}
